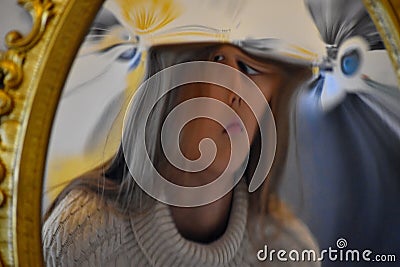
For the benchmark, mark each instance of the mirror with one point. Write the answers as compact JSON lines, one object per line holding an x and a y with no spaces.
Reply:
{"x":339,"y":174}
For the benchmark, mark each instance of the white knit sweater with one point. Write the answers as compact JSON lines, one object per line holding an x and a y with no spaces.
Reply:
{"x":81,"y":231}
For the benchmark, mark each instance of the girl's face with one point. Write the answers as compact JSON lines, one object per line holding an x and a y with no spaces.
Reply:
{"x":267,"y":76}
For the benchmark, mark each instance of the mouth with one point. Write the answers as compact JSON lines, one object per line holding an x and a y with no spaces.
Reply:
{"x":234,"y":127}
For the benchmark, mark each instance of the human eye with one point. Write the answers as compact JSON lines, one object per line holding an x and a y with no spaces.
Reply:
{"x":247,"y":69}
{"x":218,"y":58}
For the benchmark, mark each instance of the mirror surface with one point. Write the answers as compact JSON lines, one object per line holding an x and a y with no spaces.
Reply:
{"x":340,"y":175}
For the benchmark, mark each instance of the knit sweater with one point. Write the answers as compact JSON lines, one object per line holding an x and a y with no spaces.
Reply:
{"x":83,"y":231}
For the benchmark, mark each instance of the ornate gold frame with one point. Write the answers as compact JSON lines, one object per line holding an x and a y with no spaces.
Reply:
{"x":33,"y":71}
{"x":386,"y":16}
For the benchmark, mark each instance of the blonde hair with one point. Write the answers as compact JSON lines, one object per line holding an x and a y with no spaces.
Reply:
{"x":113,"y":180}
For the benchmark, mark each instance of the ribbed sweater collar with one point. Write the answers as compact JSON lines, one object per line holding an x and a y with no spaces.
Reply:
{"x":160,"y":241}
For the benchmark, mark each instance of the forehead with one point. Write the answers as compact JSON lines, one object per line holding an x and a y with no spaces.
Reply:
{"x":204,"y":51}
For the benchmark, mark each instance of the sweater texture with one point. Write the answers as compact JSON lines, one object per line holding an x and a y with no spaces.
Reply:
{"x":83,"y":231}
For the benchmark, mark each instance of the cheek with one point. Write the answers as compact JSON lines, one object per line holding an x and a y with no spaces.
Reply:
{"x":195,"y":131}
{"x":270,"y":85}
{"x":195,"y":90}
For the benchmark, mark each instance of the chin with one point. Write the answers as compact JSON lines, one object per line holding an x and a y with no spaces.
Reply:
{"x":234,"y":166}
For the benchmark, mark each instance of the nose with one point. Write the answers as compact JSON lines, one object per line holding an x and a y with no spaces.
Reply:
{"x":228,"y":58}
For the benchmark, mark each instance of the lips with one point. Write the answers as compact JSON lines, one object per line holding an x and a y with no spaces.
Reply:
{"x":234,"y":127}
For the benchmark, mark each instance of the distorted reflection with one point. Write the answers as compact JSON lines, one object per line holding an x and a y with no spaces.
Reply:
{"x":232,"y":146}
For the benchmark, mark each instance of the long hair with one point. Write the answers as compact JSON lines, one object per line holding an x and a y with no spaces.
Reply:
{"x":113,"y":181}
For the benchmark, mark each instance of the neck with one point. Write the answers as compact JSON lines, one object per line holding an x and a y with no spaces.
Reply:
{"x":202,"y":224}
